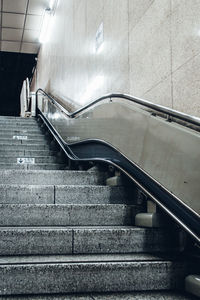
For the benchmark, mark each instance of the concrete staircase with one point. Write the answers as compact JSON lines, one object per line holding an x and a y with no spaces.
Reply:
{"x":66,"y":235}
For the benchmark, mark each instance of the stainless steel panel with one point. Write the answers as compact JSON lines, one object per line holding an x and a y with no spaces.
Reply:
{"x":166,"y":150}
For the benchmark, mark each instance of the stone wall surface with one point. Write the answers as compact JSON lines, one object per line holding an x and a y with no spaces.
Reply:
{"x":151,"y":50}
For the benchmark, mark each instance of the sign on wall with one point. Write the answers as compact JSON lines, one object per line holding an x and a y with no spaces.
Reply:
{"x":99,"y":37}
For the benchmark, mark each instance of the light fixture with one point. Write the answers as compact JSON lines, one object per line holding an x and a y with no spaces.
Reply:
{"x":43,"y":33}
{"x":52,"y":4}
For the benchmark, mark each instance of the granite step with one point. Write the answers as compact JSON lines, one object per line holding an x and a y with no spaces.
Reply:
{"x":22,"y":131}
{"x":62,"y":194}
{"x":50,"y":177}
{"x":19,"y":126}
{"x":7,"y":146}
{"x":72,"y":274}
{"x":38,"y":166}
{"x":17,"y":119}
{"x":11,"y":142}
{"x":18,"y":122}
{"x":67,"y":215}
{"x":19,"y":137}
{"x":27,"y":153}
{"x":37,"y":159}
{"x":85,"y":240}
{"x":148,"y":295}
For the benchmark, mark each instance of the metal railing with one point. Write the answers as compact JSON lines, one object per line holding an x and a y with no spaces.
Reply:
{"x":168,"y":113}
{"x":171,"y":113}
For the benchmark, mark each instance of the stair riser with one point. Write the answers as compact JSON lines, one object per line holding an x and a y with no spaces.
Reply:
{"x":42,"y":241}
{"x":17,"y":123}
{"x":66,"y":215}
{"x":76,"y":278}
{"x":50,"y":178}
{"x":16,"y":118}
{"x":45,"y":159}
{"x":23,"y":128}
{"x":134,"y":240}
{"x":92,"y":195}
{"x":145,"y":295}
{"x":61,"y":195}
{"x":24,"y":142}
{"x":7,"y":147}
{"x":9,"y":137}
{"x":44,"y":166}
{"x":17,"y":131}
{"x":27,"y":153}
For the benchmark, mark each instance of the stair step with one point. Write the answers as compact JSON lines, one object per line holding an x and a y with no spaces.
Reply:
{"x":38,"y":166}
{"x":49,"y":177}
{"x":61,"y":194}
{"x":66,"y":215}
{"x":84,"y":240}
{"x":9,"y":137}
{"x":38,"y":159}
{"x":27,"y":153}
{"x":14,"y":127}
{"x":73,"y":276}
{"x":23,"y":142}
{"x":18,"y":119}
{"x":149,"y":295}
{"x":18,"y":123}
{"x":22,"y":131}
{"x":8,"y":146}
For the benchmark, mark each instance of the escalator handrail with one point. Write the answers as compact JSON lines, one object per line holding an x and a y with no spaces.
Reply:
{"x":72,"y":157}
{"x":162,"y":109}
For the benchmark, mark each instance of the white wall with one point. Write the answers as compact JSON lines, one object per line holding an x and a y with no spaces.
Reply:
{"x":151,"y":50}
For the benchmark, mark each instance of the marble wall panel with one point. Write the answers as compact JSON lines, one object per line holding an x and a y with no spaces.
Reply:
{"x":150,"y":49}
{"x":186,"y":87}
{"x":185,"y":31}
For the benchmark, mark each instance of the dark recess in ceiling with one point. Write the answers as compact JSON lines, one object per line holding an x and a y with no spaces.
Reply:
{"x":14,"y":68}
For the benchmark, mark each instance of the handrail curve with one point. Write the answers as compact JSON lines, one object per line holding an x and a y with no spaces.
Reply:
{"x":162,"y":109}
{"x":185,"y":209}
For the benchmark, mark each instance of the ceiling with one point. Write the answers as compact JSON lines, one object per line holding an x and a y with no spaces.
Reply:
{"x":20,"y":25}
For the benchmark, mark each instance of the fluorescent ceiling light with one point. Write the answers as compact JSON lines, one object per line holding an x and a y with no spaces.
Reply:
{"x":52,"y":4}
{"x":43,"y":34}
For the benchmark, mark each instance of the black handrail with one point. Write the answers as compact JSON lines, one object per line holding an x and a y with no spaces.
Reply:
{"x":162,"y":109}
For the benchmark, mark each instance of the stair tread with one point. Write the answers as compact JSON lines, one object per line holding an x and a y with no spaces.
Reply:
{"x":85,"y":258}
{"x":149,"y":295}
{"x":77,"y":186}
{"x":18,"y":205}
{"x":93,"y":227}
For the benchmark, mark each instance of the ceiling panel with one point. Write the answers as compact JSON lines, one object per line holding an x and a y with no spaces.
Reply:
{"x":20,"y":24}
{"x":30,"y":48}
{"x":11,"y":34}
{"x":13,"y":20}
{"x":33,"y":22}
{"x":10,"y":46}
{"x":31,"y":36}
{"x":16,"y":6}
{"x":37,"y":7}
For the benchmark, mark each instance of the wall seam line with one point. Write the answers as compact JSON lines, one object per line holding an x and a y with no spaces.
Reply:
{"x":129,"y":69}
{"x":171,"y":59}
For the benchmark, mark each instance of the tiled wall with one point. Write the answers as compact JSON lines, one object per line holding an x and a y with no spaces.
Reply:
{"x":151,"y":50}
